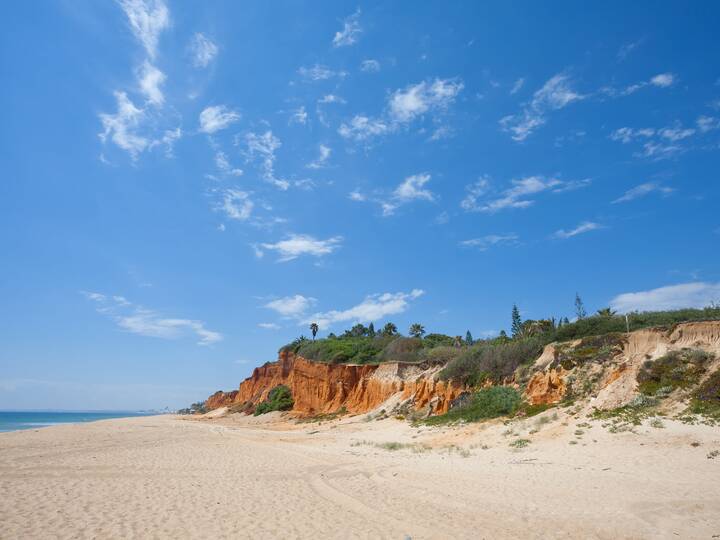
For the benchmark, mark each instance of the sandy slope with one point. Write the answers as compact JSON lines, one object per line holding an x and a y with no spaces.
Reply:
{"x":166,"y":477}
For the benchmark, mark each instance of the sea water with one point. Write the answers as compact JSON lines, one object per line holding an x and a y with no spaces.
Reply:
{"x":15,"y":420}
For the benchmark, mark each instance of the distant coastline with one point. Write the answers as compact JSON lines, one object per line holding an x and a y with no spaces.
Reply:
{"x":20,"y":420}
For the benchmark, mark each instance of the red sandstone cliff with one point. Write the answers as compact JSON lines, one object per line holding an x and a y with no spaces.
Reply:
{"x":324,"y":388}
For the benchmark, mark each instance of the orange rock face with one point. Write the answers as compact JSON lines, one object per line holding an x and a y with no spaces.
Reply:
{"x":221,"y":399}
{"x":324,"y":388}
{"x":546,"y":387}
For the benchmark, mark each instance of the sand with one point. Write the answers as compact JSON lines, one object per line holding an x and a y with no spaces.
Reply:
{"x":267,"y":477}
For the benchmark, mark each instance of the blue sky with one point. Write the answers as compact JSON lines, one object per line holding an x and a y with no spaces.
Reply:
{"x":187,"y":185}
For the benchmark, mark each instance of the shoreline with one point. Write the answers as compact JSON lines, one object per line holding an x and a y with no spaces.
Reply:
{"x":268,"y":477}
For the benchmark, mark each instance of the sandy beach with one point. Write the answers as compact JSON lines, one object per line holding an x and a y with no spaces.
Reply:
{"x":245,"y":477}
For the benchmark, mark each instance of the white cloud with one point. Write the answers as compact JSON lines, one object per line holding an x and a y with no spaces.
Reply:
{"x":414,"y":100}
{"x":331,"y":98}
{"x":663,"y":80}
{"x":269,"y":326}
{"x":139,"y":320}
{"x":362,"y":128}
{"x":474,"y":192}
{"x":517,"y":196}
{"x":676,"y":133}
{"x":299,"y":116}
{"x":262,"y":147}
{"x":169,"y":138}
{"x":357,"y":196}
{"x":412,"y":188}
{"x":626,"y":49}
{"x":626,"y":134}
{"x":555,"y":94}
{"x":122,"y":126}
{"x":517,"y":86}
{"x":486,"y":242}
{"x":370,"y":66}
{"x":216,"y":118}
{"x":656,"y":143}
{"x":296,"y":245}
{"x":150,"y":79}
{"x":223,"y":165}
{"x":350,"y":32}
{"x":236,"y":204}
{"x":203,"y":50}
{"x":583,"y":227}
{"x":319,"y":72}
{"x":373,"y":308}
{"x":707,"y":123}
{"x":291,"y":306}
{"x":148,"y":18}
{"x":684,"y":295}
{"x":321,"y":161}
{"x":642,"y":190}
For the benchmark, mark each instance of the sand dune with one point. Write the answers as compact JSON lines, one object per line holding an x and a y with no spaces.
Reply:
{"x":245,"y":477}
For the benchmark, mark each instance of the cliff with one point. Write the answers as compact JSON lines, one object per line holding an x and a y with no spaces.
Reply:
{"x":319,"y":388}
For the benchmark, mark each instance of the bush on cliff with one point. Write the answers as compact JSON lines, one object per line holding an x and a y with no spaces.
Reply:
{"x":677,"y":369}
{"x":491,"y":360}
{"x":278,"y":399}
{"x":484,"y":404}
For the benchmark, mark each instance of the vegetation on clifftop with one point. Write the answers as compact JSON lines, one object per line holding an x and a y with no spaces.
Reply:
{"x":278,"y":399}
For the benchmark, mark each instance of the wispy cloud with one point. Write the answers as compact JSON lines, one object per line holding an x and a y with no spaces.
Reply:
{"x":269,"y":326}
{"x":350,"y":32}
{"x":370,"y":66}
{"x":661,"y":80}
{"x":150,"y":79}
{"x":319,"y":72}
{"x":519,"y":195}
{"x":626,"y":49}
{"x":291,"y":306}
{"x":517,"y":85}
{"x":236,"y":204}
{"x":584,"y":227}
{"x":684,"y":295}
{"x":122,"y":127}
{"x":658,"y":143}
{"x":203,"y":50}
{"x":374,"y":308}
{"x":299,"y":116}
{"x":297,"y":245}
{"x":139,"y":320}
{"x":262,"y":147}
{"x":148,"y":18}
{"x":486,"y":242}
{"x":642,"y":190}
{"x":362,"y":128}
{"x":707,"y":123}
{"x":412,"y":188}
{"x":417,"y":99}
{"x":557,"y":93}
{"x":216,"y":118}
{"x":322,"y":159}
{"x":223,"y":165}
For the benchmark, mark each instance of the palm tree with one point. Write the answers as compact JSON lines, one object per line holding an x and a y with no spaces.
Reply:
{"x":606,"y":312}
{"x":417,"y":330}
{"x":389,"y":329}
{"x":314,"y":329}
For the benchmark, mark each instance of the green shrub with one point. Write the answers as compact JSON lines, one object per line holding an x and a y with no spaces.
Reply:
{"x":677,"y":369}
{"x":278,"y":399}
{"x":598,"y":349}
{"x":706,"y":399}
{"x":402,"y":349}
{"x":487,"y":403}
{"x":440,"y":355}
{"x":494,"y":361}
{"x":438,"y":340}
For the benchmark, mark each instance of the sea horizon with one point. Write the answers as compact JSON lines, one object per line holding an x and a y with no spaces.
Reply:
{"x":19,"y":420}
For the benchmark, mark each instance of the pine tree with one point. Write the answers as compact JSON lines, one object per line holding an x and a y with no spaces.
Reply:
{"x":579,"y":307}
{"x":468,"y":338}
{"x":516,"y":322}
{"x":371,"y":330}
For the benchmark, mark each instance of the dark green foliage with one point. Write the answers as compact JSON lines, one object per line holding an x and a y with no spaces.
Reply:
{"x":706,"y":399}
{"x":355,"y":350}
{"x":598,"y":349}
{"x":402,"y":349}
{"x":598,"y":325}
{"x":436,"y":340}
{"x":487,"y":403}
{"x":468,"y":338}
{"x":278,"y":399}
{"x":195,"y":408}
{"x":389,"y":329}
{"x":531,"y":410}
{"x":371,"y":330}
{"x":677,"y":369}
{"x":416,"y":330}
{"x":491,"y":360}
{"x":439,"y":356}
{"x":358,"y":330}
{"x":314,"y":329}
{"x":516,"y":326}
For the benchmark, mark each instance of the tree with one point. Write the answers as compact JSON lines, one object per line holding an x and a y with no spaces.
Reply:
{"x":389,"y":329}
{"x":565,"y":321}
{"x":358,"y":330}
{"x":417,"y":330}
{"x":468,"y":338}
{"x":579,"y":307}
{"x":516,"y":322}
{"x":371,"y":330}
{"x":606,"y":312}
{"x":457,"y":343}
{"x":314,"y":329}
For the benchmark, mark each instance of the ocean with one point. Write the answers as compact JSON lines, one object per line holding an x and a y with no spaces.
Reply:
{"x":16,"y":420}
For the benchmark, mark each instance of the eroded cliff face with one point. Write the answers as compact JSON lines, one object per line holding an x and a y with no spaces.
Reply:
{"x":319,"y":388}
{"x":611,"y":381}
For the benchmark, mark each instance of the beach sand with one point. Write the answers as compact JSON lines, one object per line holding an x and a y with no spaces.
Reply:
{"x":267,"y":477}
